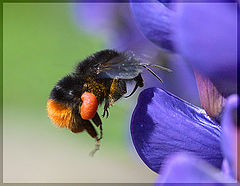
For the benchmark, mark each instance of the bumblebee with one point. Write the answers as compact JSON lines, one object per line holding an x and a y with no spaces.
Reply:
{"x":100,"y":78}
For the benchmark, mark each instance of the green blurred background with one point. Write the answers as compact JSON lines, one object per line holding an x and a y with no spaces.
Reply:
{"x":41,"y":44}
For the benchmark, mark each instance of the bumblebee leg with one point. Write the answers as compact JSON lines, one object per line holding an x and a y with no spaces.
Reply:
{"x":98,"y":143}
{"x":117,"y":90}
{"x":113,"y":89}
{"x":89,"y":128}
{"x":106,"y":106}
{"x":96,"y":120}
{"x":97,"y":147}
{"x":101,"y":133}
{"x":106,"y":111}
{"x":75,"y":128}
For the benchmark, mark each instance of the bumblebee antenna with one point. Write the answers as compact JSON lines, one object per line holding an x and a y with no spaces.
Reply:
{"x":157,"y":66}
{"x":153,"y":73}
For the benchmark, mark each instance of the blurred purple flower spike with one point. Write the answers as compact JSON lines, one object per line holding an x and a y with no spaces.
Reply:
{"x":153,"y":19}
{"x":94,"y":16}
{"x":206,"y":39}
{"x":231,"y":136}
{"x":163,"y":124}
{"x":206,"y":36}
{"x":185,"y":168}
{"x":113,"y":22}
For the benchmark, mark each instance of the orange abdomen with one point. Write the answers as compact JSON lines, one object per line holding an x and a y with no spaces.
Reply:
{"x":89,"y":106}
{"x":60,"y":114}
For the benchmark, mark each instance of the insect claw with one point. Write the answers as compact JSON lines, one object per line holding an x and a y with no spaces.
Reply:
{"x":104,"y":113}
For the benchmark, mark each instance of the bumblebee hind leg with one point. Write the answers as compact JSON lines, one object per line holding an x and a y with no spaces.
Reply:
{"x":87,"y":125}
{"x":90,"y":128}
{"x":75,"y":128}
{"x":97,"y":121}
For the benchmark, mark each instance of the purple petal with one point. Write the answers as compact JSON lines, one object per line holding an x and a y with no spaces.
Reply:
{"x":183,"y":168}
{"x":206,"y":35}
{"x":153,"y":19}
{"x":226,"y":168}
{"x":162,"y":124}
{"x":229,"y":137}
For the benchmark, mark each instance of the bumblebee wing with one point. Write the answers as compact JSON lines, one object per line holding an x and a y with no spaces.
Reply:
{"x":123,"y":66}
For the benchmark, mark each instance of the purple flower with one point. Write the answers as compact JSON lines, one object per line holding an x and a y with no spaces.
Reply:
{"x":206,"y":39}
{"x":154,"y":20}
{"x":184,"y":168}
{"x":189,"y":169}
{"x":209,"y":31}
{"x":231,"y":137}
{"x":163,"y":124}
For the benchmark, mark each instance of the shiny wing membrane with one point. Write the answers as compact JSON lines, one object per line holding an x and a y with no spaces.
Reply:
{"x":123,"y":66}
